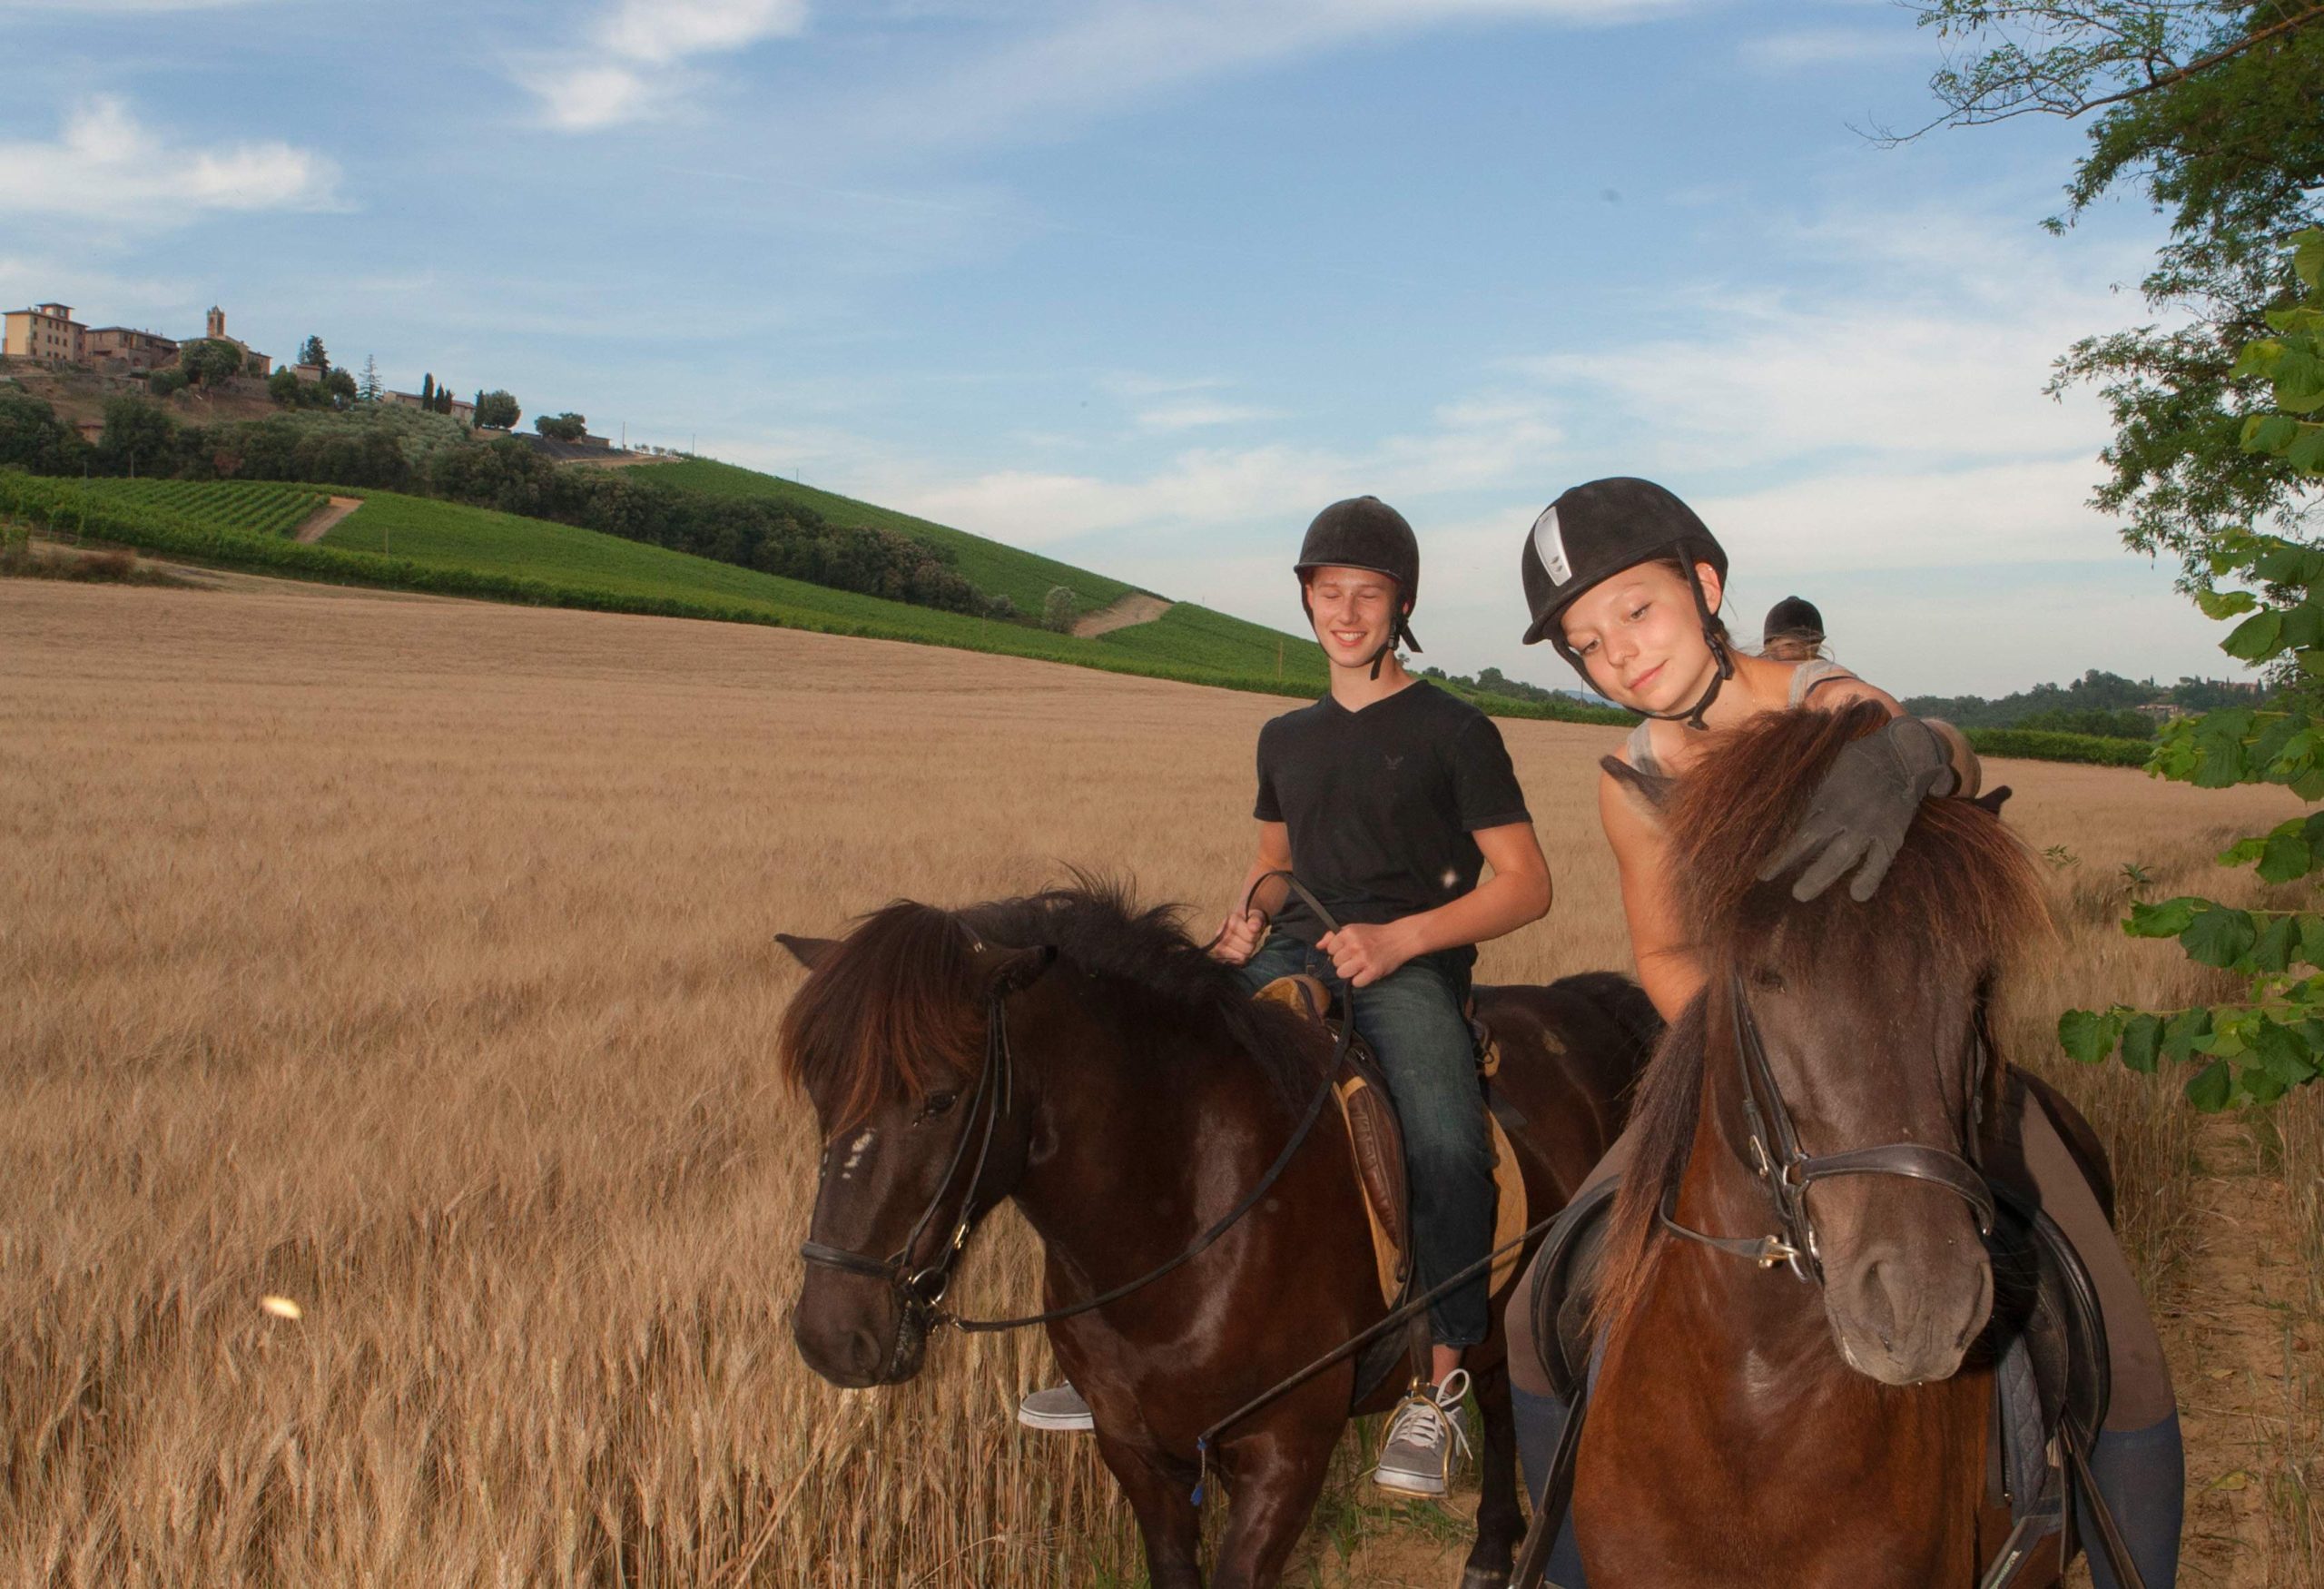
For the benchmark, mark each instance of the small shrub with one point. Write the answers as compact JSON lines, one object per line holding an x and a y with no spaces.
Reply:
{"x":1060,"y":610}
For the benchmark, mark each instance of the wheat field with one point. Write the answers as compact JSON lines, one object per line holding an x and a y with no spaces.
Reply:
{"x":407,"y":962}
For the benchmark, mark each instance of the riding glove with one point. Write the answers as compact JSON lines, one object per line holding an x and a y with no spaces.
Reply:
{"x":1861,"y":811}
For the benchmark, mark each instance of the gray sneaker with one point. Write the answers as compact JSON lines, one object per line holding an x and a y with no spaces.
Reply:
{"x":1060,"y":1407}
{"x":1423,"y":1438}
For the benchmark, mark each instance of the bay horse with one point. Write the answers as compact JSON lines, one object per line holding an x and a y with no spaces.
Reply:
{"x":1745,"y":1427}
{"x":1144,"y":1094}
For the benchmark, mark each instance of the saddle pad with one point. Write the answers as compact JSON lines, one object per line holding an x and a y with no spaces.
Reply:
{"x":1376,"y":1141}
{"x":1378,"y":1145}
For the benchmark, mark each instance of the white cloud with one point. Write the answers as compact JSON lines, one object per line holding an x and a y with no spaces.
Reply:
{"x":104,"y":165}
{"x":1195,"y":416}
{"x":1827,"y":46}
{"x":633,"y":64}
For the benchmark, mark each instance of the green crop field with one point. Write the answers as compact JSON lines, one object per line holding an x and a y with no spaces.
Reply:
{"x":1024,"y":578}
{"x":252,"y":507}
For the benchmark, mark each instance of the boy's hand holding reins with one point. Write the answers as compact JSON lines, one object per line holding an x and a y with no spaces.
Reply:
{"x":1238,"y":938}
{"x":1364,"y":952}
{"x":1859,"y":816}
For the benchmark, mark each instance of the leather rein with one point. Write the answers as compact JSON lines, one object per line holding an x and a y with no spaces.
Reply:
{"x":919,"y":1288}
{"x":1785,"y":1170}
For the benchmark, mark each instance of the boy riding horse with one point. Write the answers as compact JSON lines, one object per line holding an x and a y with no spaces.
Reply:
{"x":1387,"y":798}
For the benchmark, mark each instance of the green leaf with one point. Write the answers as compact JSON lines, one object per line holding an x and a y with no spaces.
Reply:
{"x":2225,"y":604}
{"x":2271,"y":948}
{"x":2304,"y":623}
{"x":2285,"y":858}
{"x":2311,"y":939}
{"x":2285,"y":1055}
{"x":2310,"y":785}
{"x":2256,"y":358}
{"x":2087,"y":1035}
{"x":2307,"y":257}
{"x":2186,"y":1029}
{"x":2166,"y":920}
{"x":2218,"y":936}
{"x":2257,"y":637}
{"x":2268,"y":432}
{"x":2209,"y":1088}
{"x":2306,"y":452}
{"x":2260,"y":1084}
{"x":2141,"y":1040}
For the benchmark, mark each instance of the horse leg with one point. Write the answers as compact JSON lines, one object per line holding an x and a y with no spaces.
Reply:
{"x":1159,"y":1488}
{"x":1500,"y":1521}
{"x":1278,"y":1474}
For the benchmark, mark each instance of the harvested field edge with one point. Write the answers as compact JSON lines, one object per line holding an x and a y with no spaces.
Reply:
{"x":152,"y":528}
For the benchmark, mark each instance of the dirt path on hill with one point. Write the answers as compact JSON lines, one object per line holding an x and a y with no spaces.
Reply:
{"x":2245,"y":1356}
{"x":315,"y":528}
{"x":1137,"y":608}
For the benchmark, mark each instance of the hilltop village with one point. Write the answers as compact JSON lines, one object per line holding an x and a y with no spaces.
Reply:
{"x":46,"y":339}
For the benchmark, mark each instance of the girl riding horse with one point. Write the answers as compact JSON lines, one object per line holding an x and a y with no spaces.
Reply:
{"x":1625,"y":582}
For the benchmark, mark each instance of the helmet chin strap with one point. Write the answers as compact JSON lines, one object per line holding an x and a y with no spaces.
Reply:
{"x":1402,"y":631}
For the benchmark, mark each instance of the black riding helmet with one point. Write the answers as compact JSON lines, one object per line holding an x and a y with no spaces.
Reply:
{"x":1364,"y":532}
{"x":1595,"y":531}
{"x":1794,"y":617}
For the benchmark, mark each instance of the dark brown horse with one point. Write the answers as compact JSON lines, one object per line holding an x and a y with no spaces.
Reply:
{"x":1748,"y":1426}
{"x":1145,"y":1095}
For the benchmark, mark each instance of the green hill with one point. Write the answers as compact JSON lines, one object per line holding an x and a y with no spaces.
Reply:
{"x":1024,"y":578}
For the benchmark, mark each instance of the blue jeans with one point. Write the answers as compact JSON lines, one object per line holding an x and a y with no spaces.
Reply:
{"x":1414,"y":1022}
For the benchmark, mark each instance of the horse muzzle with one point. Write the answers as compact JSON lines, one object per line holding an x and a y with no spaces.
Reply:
{"x":1904,"y":1304}
{"x":876,"y":1339}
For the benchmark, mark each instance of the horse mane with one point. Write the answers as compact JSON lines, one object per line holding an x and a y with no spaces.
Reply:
{"x":1960,"y":897}
{"x":889,"y":1014}
{"x":896,"y":1010}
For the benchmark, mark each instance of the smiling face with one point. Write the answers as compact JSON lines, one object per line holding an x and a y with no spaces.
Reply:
{"x":1642,"y":640}
{"x":1354,"y":611}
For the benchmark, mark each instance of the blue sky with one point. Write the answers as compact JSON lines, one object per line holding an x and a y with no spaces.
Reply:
{"x":1144,"y":285}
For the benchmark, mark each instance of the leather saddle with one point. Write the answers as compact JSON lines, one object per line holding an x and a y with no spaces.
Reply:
{"x":1377,"y":1141}
{"x":2046,"y":1340}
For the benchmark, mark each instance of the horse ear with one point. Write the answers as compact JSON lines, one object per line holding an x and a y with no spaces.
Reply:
{"x":1992,"y":800}
{"x":1646,"y":791}
{"x":1008,"y":969}
{"x":807,"y":951}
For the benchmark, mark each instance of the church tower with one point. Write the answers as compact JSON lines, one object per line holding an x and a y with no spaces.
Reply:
{"x":217,"y":331}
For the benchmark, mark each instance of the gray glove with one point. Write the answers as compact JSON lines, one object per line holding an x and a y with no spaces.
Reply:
{"x":1859,"y":816}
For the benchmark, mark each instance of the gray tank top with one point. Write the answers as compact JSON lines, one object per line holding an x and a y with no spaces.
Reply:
{"x":1815,"y":671}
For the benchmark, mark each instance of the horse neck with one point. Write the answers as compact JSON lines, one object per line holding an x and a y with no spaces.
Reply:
{"x":1107,"y":1130}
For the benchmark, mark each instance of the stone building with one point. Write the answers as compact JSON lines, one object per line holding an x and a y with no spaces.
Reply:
{"x":46,"y":332}
{"x":126,"y":350}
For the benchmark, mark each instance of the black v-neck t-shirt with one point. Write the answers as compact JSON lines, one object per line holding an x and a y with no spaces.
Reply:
{"x":1382,"y":804}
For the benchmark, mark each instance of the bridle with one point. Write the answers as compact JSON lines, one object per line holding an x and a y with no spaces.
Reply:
{"x":1785,"y":1171}
{"x":919,"y":1288}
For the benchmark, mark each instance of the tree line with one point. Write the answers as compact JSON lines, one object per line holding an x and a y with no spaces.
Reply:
{"x":506,"y":473}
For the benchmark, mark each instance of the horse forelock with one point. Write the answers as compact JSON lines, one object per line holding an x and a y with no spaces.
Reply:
{"x":1962,"y":887}
{"x":1961,"y":895}
{"x":890,"y":1015}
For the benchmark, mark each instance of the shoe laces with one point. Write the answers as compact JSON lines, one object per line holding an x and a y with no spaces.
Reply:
{"x":1428,"y":1417}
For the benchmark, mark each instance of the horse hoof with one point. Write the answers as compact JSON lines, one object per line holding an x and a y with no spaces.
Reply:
{"x":1485,"y":1578}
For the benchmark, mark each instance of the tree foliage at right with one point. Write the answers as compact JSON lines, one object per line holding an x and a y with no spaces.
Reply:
{"x":2213,"y":112}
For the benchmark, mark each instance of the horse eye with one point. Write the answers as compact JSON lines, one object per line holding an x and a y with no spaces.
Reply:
{"x":938,"y":1102}
{"x":1769,"y":978}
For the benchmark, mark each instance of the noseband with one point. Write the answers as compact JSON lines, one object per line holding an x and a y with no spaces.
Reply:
{"x":919,"y":1289}
{"x":1785,"y":1171}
